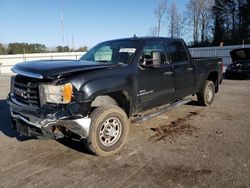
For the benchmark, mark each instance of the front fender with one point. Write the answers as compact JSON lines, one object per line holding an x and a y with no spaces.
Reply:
{"x":102,"y":86}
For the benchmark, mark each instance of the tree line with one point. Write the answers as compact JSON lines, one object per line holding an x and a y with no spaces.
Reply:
{"x":211,"y":22}
{"x":25,"y":48}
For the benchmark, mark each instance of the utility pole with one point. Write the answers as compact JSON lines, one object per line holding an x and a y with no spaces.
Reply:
{"x":67,"y":39}
{"x":62,"y":28}
{"x":73,"y":43}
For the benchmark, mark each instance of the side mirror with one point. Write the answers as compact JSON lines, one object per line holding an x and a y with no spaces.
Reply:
{"x":151,"y":61}
{"x":156,"y":58}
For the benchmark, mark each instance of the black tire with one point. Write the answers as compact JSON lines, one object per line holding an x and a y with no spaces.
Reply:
{"x":108,"y":130}
{"x":206,"y":95}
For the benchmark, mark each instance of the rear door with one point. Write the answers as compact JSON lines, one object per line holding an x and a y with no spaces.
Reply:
{"x":183,"y":69}
{"x":155,"y":84}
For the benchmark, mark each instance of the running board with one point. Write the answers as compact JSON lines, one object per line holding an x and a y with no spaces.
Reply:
{"x":141,"y":119}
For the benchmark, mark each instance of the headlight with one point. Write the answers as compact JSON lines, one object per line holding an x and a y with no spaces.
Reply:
{"x":61,"y":94}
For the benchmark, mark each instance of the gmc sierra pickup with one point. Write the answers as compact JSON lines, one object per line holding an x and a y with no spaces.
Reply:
{"x":93,"y":98}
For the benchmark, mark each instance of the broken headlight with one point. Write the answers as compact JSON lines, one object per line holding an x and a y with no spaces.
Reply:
{"x":61,"y":94}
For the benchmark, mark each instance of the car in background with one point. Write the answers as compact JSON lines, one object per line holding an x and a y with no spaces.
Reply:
{"x":240,"y":66}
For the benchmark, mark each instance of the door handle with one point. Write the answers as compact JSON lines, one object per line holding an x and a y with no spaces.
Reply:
{"x":168,"y":73}
{"x":190,"y":68}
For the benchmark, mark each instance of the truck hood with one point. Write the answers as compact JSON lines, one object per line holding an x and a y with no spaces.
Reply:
{"x":240,"y":54}
{"x":52,"y":68}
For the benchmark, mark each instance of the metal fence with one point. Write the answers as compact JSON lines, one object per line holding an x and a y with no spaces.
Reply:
{"x":7,"y":61}
{"x":221,"y":52}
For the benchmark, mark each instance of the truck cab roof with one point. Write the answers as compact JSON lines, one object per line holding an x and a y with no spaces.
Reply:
{"x":147,"y":38}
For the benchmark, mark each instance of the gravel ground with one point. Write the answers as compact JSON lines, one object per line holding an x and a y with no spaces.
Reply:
{"x":190,"y":146}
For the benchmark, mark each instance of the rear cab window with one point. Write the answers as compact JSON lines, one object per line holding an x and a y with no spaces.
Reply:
{"x":177,"y":52}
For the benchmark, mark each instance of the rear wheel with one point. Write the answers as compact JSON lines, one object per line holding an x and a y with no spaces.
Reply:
{"x":206,"y":95}
{"x":108,"y":131}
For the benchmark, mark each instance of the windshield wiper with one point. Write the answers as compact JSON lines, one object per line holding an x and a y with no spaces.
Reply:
{"x":103,"y":61}
{"x":112,"y":62}
{"x":120,"y":63}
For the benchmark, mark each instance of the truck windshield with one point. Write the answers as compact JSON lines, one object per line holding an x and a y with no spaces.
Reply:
{"x":115,"y":52}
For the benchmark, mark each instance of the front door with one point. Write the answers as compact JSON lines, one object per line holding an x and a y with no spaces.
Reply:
{"x":155,"y":84}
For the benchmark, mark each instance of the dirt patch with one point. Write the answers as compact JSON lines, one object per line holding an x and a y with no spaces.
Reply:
{"x":186,"y":175}
{"x":175,"y":128}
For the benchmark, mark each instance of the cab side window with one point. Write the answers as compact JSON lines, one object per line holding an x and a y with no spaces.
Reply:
{"x":177,"y":52}
{"x":149,"y":51}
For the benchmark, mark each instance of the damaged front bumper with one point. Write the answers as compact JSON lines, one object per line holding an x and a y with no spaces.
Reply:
{"x":32,"y":122}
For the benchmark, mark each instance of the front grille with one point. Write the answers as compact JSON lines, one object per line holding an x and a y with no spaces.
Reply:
{"x":26,"y":91}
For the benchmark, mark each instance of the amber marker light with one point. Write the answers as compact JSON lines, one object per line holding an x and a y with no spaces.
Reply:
{"x":67,"y":93}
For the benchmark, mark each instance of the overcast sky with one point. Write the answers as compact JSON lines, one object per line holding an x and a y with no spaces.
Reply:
{"x":87,"y":22}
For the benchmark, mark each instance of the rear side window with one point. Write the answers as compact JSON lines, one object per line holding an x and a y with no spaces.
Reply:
{"x":177,"y":52}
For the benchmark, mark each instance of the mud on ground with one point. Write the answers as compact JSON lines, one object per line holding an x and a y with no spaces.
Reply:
{"x":175,"y":128}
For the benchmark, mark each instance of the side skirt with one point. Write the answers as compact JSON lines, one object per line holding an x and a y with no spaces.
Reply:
{"x":160,"y":111}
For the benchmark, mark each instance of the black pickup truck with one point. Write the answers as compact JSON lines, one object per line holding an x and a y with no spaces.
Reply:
{"x":93,"y":98}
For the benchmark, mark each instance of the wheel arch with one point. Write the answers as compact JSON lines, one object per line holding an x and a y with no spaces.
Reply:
{"x":214,"y":77}
{"x":119,"y":98}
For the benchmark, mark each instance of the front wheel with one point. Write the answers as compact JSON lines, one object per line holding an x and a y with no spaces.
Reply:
{"x":108,"y":130}
{"x":206,"y":95}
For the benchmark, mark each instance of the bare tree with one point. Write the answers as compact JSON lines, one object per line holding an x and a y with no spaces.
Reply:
{"x":153,"y":31}
{"x":159,"y":12}
{"x":182,"y":25}
{"x":205,"y":17}
{"x":200,"y":15}
{"x":174,"y":20}
{"x":194,"y":12}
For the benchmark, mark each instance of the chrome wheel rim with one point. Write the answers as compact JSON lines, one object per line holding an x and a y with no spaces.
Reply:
{"x":110,"y":131}
{"x":209,"y":93}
